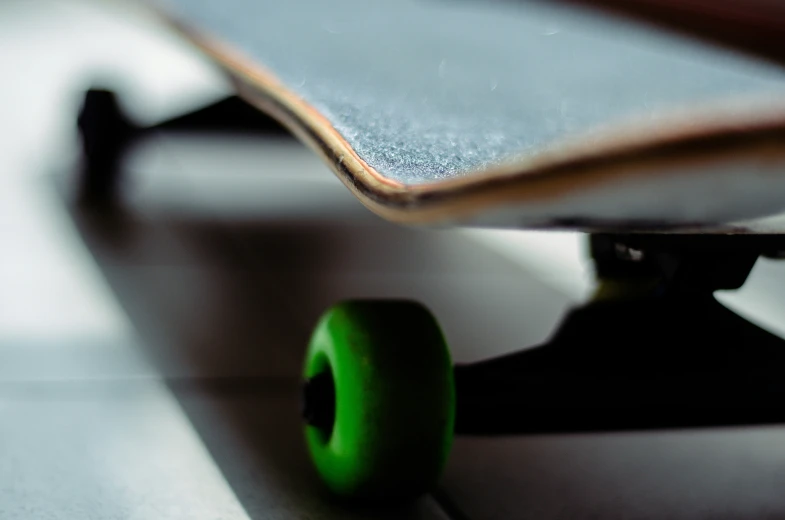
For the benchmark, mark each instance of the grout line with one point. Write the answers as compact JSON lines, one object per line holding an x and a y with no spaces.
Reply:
{"x":179,"y":384}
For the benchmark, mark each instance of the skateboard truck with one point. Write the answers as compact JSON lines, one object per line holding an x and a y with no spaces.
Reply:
{"x":107,"y":133}
{"x":654,"y":349}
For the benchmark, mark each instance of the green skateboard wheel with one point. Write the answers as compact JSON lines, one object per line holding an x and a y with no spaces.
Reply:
{"x":379,"y":400}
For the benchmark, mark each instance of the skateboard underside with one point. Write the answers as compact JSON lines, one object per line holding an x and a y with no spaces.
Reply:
{"x":510,"y":114}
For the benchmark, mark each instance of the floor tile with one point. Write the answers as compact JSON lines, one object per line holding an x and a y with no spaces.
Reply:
{"x":713,"y":473}
{"x":139,"y":450}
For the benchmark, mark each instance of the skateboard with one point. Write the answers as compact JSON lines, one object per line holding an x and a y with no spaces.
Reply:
{"x":516,"y":115}
{"x":531,"y":114}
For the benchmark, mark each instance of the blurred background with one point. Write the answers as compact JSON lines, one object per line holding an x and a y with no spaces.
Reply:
{"x":150,"y":355}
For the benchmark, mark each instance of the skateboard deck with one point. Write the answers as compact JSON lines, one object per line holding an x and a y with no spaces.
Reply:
{"x":526,"y":114}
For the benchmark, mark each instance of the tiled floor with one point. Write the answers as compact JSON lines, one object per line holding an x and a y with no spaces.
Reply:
{"x":149,"y":359}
